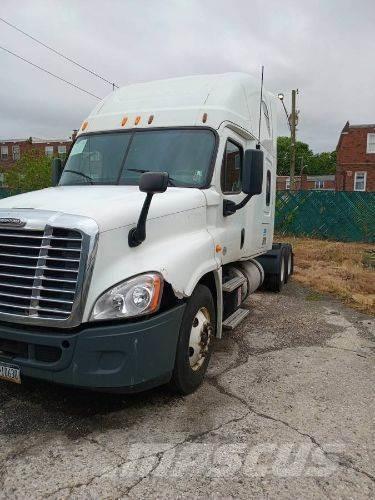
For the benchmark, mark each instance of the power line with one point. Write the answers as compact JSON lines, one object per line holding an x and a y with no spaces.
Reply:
{"x":58,"y":53}
{"x":49,"y":73}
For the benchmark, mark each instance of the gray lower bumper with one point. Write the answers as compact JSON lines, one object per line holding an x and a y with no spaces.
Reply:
{"x":123,"y":356}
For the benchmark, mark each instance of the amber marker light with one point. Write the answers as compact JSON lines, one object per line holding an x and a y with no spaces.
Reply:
{"x":84,"y":125}
{"x":137,"y":120}
{"x":158,"y":288}
{"x":218,"y":248}
{"x":124,"y":121}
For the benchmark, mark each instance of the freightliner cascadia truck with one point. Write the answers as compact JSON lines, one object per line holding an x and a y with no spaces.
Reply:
{"x":159,"y":225}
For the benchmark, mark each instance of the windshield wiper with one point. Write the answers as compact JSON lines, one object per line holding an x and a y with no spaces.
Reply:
{"x":171,"y":181}
{"x":81,"y":174}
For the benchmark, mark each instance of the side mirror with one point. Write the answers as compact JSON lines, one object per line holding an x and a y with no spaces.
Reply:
{"x":252,"y":180}
{"x":57,"y":170}
{"x":252,"y":175}
{"x":150,"y":183}
{"x":153,"y":182}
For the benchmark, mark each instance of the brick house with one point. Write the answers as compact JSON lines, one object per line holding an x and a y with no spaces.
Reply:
{"x":356,"y":158}
{"x":309,"y":182}
{"x":11,"y":150}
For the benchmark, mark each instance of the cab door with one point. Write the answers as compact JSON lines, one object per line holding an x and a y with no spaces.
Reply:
{"x":232,"y":227}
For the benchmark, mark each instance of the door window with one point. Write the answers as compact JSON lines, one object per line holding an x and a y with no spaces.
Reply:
{"x":231,"y":168}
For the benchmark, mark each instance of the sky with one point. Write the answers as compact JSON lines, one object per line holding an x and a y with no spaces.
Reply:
{"x":325,"y":49}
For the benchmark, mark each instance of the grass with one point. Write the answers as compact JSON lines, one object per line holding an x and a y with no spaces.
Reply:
{"x":336,"y":268}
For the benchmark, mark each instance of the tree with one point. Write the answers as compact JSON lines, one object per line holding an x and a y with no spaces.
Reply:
{"x":283,"y":155}
{"x":323,"y":163}
{"x":314,"y":164}
{"x":31,"y":172}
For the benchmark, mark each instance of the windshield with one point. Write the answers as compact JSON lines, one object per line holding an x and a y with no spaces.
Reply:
{"x":122,"y":157}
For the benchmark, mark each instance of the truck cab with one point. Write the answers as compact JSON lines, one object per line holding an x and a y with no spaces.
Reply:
{"x":158,"y":227}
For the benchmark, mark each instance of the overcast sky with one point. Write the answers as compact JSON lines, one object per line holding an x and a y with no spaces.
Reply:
{"x":324,"y":48}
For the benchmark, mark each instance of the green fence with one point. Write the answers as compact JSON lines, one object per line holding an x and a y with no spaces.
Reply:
{"x":341,"y":216}
{"x":4,"y":192}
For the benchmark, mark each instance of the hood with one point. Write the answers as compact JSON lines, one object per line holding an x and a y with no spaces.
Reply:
{"x":109,"y":206}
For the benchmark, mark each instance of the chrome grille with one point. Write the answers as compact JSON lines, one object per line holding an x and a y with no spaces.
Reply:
{"x":39,"y":272}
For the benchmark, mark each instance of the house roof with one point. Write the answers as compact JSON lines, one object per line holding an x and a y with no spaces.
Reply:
{"x":369,"y":125}
{"x":327,"y":177}
{"x":321,"y":177}
{"x":348,"y":127}
{"x":35,"y":140}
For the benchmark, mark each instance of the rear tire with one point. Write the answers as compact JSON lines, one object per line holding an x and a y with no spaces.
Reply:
{"x":288,"y":264}
{"x":198,"y":328}
{"x":275,"y":282}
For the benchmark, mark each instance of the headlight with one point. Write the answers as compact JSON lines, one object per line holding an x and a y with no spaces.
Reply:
{"x":134,"y":297}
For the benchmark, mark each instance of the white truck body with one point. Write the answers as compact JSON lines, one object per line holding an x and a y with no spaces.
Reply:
{"x":188,"y":236}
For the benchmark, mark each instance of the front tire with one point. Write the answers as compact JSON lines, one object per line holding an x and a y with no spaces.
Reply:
{"x":194,"y":346}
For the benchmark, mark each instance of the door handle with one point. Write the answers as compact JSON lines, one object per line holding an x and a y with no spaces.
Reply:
{"x":242,"y":237}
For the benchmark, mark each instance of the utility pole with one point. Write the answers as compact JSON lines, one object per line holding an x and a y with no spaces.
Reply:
{"x":292,"y":122}
{"x":293,"y":126}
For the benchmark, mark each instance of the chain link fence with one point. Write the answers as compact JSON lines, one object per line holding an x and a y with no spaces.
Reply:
{"x":341,"y":216}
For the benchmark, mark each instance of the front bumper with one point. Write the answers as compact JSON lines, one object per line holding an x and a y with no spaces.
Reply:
{"x":124,"y":356}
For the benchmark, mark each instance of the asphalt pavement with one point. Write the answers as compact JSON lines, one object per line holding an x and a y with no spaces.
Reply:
{"x":287,"y":411}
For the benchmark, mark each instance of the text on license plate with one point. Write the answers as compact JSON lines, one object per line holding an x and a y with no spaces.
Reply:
{"x":10,"y":372}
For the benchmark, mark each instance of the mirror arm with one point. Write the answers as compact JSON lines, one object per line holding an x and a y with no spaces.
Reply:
{"x":138,"y":234}
{"x":244,"y":201}
{"x":230,"y":207}
{"x":57,"y":170}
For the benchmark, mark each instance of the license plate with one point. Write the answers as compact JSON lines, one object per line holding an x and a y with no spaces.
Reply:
{"x":10,"y":372}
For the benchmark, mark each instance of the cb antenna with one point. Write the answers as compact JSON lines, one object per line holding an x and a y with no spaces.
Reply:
{"x":260,"y":108}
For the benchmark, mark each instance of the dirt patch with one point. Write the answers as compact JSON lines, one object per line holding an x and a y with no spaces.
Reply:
{"x":337,"y":268}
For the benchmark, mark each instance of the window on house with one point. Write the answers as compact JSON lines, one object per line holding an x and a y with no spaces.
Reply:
{"x":319,"y":184}
{"x":16,"y":152}
{"x":48,"y":151}
{"x":231,"y":168}
{"x":360,"y":181}
{"x":287,"y":183}
{"x":61,"y":150}
{"x":268,"y":188}
{"x":4,"y":152}
{"x":370,"y":143}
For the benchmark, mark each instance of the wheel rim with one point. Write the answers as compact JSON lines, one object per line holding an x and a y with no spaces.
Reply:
{"x":289,"y":264}
{"x":282,"y":269}
{"x":200,"y":338}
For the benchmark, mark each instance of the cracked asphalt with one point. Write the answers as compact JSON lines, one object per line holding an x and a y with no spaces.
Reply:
{"x":287,"y":411}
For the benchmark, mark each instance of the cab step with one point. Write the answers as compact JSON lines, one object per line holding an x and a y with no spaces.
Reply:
{"x":235,"y":319}
{"x":232,"y":284}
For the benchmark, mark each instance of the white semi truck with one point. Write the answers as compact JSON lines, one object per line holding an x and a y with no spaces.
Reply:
{"x":158,"y":227}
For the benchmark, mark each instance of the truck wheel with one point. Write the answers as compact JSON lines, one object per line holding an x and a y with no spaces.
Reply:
{"x":195,"y":341}
{"x":288,"y":264}
{"x":275,"y":282}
